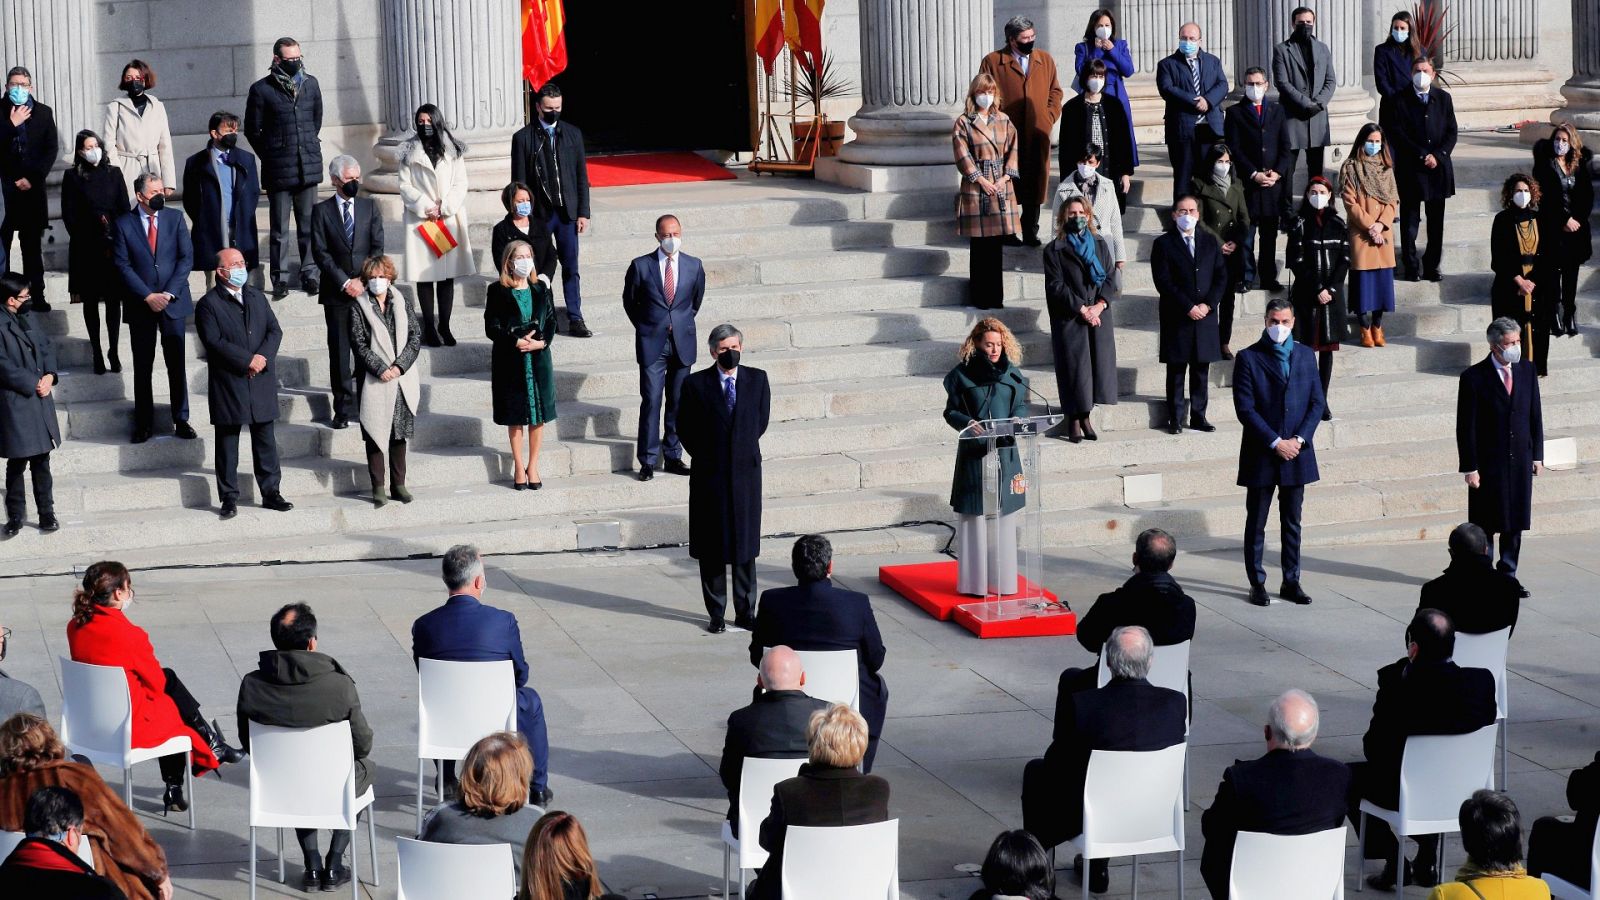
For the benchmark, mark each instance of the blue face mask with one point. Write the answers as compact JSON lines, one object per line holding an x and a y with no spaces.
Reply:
{"x":237,"y":277}
{"x":1188,"y":48}
{"x":1373,"y":148}
{"x":18,"y":94}
{"x":1400,"y":37}
{"x":524,"y":209}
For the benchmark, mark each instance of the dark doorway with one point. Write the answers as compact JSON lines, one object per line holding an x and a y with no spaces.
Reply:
{"x":675,"y":78}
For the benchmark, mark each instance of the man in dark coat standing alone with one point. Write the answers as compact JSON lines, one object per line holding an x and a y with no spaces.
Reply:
{"x":29,"y":146}
{"x":1303,"y":68}
{"x":1420,"y":125}
{"x":1190,"y":276}
{"x":237,"y":327}
{"x":722,"y":415}
{"x":547,"y":155}
{"x":282,"y":119}
{"x":1500,"y":440}
{"x":1278,"y":397}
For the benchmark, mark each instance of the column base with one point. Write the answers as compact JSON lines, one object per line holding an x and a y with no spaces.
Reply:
{"x":1495,"y":94}
{"x":888,"y":138}
{"x":1582,"y":111}
{"x":880,"y":179}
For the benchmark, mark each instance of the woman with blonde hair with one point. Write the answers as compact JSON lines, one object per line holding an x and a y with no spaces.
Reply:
{"x":1371,"y":202}
{"x":493,"y":805}
{"x":519,"y":316}
{"x":1080,"y":284}
{"x":557,"y":865}
{"x":987,"y":384}
{"x":986,"y":206}
{"x":386,"y":342}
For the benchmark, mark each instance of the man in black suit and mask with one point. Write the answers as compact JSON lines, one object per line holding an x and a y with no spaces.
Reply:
{"x":346,"y":230}
{"x":547,"y":155}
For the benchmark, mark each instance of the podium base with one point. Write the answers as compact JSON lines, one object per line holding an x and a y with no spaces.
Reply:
{"x":932,"y":587}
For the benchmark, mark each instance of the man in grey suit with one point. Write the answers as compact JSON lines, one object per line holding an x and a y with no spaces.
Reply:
{"x":661,"y":294}
{"x":1302,"y":66}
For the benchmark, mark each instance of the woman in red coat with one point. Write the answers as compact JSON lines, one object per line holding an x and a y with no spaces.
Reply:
{"x":101,"y":634}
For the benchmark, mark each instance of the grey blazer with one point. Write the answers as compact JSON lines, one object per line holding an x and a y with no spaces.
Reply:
{"x":1305,"y":95}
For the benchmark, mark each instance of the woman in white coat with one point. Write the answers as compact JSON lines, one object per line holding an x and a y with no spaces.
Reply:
{"x":136,"y":134}
{"x":1085,"y":181}
{"x":433,"y":186}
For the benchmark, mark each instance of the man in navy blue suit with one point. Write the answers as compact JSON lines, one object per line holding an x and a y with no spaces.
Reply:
{"x":154,"y":256}
{"x":815,"y":615}
{"x":466,"y":630}
{"x":1278,"y":397}
{"x":661,"y":293}
{"x":1192,"y":83}
{"x":1500,"y":440}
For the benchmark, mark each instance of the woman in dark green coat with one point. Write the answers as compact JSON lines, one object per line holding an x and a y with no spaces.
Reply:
{"x":519,"y":317}
{"x":988,"y":384}
{"x":1224,"y":212}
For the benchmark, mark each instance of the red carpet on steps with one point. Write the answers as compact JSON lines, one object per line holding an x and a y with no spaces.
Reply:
{"x":653,"y":168}
{"x":932,"y":586}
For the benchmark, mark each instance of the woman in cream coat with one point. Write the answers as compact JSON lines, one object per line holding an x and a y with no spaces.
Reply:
{"x":433,"y":186}
{"x":383,"y":336}
{"x":137,"y":137}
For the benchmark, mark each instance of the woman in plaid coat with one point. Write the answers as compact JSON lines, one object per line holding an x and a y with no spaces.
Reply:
{"x":986,"y":208}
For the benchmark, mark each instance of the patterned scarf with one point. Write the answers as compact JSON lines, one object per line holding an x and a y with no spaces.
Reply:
{"x":1371,"y":177}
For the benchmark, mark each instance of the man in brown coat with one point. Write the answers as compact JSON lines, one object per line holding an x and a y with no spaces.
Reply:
{"x":1031,"y":97}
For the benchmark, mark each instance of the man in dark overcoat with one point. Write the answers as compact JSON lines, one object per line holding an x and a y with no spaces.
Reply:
{"x":1419,"y":124}
{"x":1500,"y":440}
{"x":1189,"y":273}
{"x":1030,"y":96}
{"x":29,"y":146}
{"x":221,"y":187}
{"x":283,"y":122}
{"x":346,"y":230}
{"x":722,"y":414}
{"x":1303,"y":68}
{"x":1259,"y":145}
{"x":237,"y":327}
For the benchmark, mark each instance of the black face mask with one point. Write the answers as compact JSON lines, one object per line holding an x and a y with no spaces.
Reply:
{"x":229,"y":140}
{"x":291,"y":67}
{"x":155,"y":203}
{"x":550,"y":115}
{"x":425,"y":130}
{"x":728,"y":360}
{"x":1304,"y":32}
{"x":133,"y":88}
{"x":1025,"y":48}
{"x":349,"y":188}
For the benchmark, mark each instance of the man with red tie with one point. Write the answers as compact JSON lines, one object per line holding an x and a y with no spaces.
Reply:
{"x":1259,"y":145}
{"x":153,"y":254}
{"x":661,"y":293}
{"x":1500,"y":440}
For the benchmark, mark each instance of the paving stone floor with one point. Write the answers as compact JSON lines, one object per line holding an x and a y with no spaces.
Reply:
{"x":636,"y":693}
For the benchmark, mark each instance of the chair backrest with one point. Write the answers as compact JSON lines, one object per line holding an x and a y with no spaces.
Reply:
{"x":302,"y":777}
{"x":1270,"y":866}
{"x":1133,"y":802}
{"x":1487,"y":651}
{"x":431,"y":871}
{"x":832,"y":675}
{"x":756,"y":782}
{"x":853,"y":862}
{"x":460,"y":702}
{"x":1169,"y":668}
{"x":10,"y":839}
{"x":96,"y":713}
{"x":1440,"y":771}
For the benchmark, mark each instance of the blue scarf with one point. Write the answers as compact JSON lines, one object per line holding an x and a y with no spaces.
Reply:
{"x":1082,"y":243}
{"x":1283,"y":350}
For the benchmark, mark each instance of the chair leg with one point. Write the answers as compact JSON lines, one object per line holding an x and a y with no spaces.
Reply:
{"x":419,"y":797}
{"x":1505,"y":739}
{"x":1185,"y":778}
{"x":372,"y":848}
{"x":355,"y":865}
{"x":1180,"y":872}
{"x":252,"y":862}
{"x":1361,"y":852}
{"x":281,"y":877}
{"x":127,"y":787}
{"x":188,"y":785}
{"x":1400,"y":864}
{"x":1087,"y":863}
{"x":1135,"y":861}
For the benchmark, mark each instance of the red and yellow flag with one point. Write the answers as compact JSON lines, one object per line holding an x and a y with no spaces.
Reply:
{"x":802,"y":28}
{"x":544,"y":41}
{"x":436,"y":234}
{"x":769,"y":32}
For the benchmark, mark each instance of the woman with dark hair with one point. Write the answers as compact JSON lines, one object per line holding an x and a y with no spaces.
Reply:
{"x":101,"y":634}
{"x":93,"y":195}
{"x":433,"y":188}
{"x":492,"y":807}
{"x":1318,"y":255}
{"x":519,"y":317}
{"x":517,"y":198}
{"x":1560,"y":168}
{"x":28,"y":427}
{"x":1371,"y":202}
{"x":1080,"y":285}
{"x":1094,"y":118}
{"x":1491,"y":832}
{"x":557,"y":864}
{"x":138,"y":138}
{"x":1100,"y":43}
{"x":1017,"y":868}
{"x":1391,"y":60}
{"x":1225,"y":212}
{"x":1520,"y":255}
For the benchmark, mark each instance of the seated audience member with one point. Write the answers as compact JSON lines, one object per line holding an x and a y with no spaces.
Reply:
{"x":1151,"y":599}
{"x":1477,"y":597}
{"x":816,"y":615}
{"x":32,"y":758}
{"x":1491,"y":832}
{"x":294,"y":686}
{"x":493,"y":806}
{"x":1017,"y":868}
{"x":773,"y":726}
{"x":1129,"y":713}
{"x":1290,"y":790}
{"x":827,"y":793}
{"x":1562,"y":848}
{"x":465,"y":629}
{"x":16,"y":696}
{"x":46,"y":863}
{"x":1422,"y":693}
{"x":557,"y":865}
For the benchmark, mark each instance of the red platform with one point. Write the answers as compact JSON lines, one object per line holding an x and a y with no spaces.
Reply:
{"x":932,"y":587}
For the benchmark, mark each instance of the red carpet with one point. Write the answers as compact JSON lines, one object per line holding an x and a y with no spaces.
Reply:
{"x":932,"y":586}
{"x":653,"y":168}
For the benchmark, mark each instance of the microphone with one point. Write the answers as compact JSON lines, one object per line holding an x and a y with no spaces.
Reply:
{"x":1047,"y":410}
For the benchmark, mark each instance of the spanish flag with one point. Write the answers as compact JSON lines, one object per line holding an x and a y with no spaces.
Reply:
{"x":437,"y":236}
{"x":769,"y":32}
{"x":802,"y":28}
{"x":544,"y":41}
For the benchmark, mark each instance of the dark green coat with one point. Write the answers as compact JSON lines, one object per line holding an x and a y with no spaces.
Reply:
{"x":979,"y":389}
{"x":305,"y":689}
{"x":523,"y":385}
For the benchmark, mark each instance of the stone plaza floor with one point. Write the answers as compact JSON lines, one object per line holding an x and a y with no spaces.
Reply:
{"x":636,"y":693}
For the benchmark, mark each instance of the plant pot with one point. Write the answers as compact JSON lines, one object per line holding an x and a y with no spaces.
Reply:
{"x":832,"y":138}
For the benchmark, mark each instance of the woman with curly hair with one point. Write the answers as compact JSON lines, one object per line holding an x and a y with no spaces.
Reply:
{"x":1521,"y":255}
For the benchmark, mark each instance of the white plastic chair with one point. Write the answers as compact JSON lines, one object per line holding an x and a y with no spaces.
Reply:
{"x":1270,"y":866}
{"x":1562,"y":889}
{"x":97,"y":723}
{"x":850,"y":862}
{"x":10,"y":839}
{"x":757,"y":779}
{"x":1489,"y":651}
{"x":306,"y":778}
{"x":431,"y":871}
{"x":1169,"y":668}
{"x":458,"y":703}
{"x":1132,"y":805}
{"x":1438,"y":772}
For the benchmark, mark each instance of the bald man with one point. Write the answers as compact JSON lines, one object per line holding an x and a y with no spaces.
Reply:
{"x":1290,"y":790}
{"x":772,"y":727}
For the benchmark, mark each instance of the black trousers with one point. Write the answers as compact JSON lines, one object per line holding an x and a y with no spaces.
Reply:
{"x":1258,"y":505}
{"x":1292,"y":194}
{"x":1325,"y":372}
{"x":1199,"y":378}
{"x":1184,"y":154}
{"x":338,"y":842}
{"x":341,"y":358}
{"x":1261,"y":252}
{"x":446,"y":292}
{"x":1567,"y":272}
{"x":43,"y":487}
{"x":1411,"y":209}
{"x":143,"y":328}
{"x":1030,"y":221}
{"x":189,"y":710}
{"x":1225,"y":308}
{"x":375,"y":467}
{"x":92,"y":305}
{"x":263,"y":456}
{"x":1378,"y":841}
{"x":714,"y":589}
{"x":280,"y":204}
{"x":660,"y":382}
{"x":986,"y":286}
{"x":32,"y":257}
{"x":1560,"y":848}
{"x":1510,"y":549}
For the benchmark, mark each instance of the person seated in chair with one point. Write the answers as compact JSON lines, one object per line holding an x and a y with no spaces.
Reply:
{"x":1562,"y":848}
{"x":1151,"y":599}
{"x":46,"y":863}
{"x":1491,"y":832}
{"x":773,"y":726}
{"x":1478,"y":598}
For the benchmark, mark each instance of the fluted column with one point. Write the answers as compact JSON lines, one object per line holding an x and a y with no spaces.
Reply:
{"x":1264,"y":25}
{"x":917,"y":59}
{"x":1492,"y":64}
{"x":1582,"y":90}
{"x":55,"y":40}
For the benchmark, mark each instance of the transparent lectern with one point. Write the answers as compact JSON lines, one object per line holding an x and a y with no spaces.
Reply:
{"x":1002,"y":551}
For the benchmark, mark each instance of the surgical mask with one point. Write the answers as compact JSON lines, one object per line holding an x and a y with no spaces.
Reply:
{"x":550,"y":116}
{"x":1188,"y":48}
{"x":1561,"y":148}
{"x":1221,"y":169}
{"x":156,"y":202}
{"x":1255,"y":92}
{"x":18,"y":94}
{"x":1278,"y":333}
{"x":1076,"y":224}
{"x":1373,"y":148}
{"x":670,"y":244}
{"x":229,"y":140}
{"x":237,"y":277}
{"x":524,"y":209}
{"x":522,"y":266}
{"x":93,"y":155}
{"x":350,"y":188}
{"x":1522,"y":199}
{"x":1103,"y":32}
{"x":1511,"y":355}
{"x":1319,"y":200}
{"x":1185,"y":222}
{"x":1400,"y":35}
{"x":425,"y":129}
{"x":291,"y":67}
{"x":1421,"y":80}
{"x":728,"y":360}
{"x":377,"y":286}
{"x":133,"y":88}
{"x":984,"y":101}
{"x":1086,"y":171}
{"x":1096,"y":85}
{"x":1025,"y":48}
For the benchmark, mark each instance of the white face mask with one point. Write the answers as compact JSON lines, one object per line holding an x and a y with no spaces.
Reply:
{"x":984,"y":101}
{"x":1421,"y":80}
{"x":378,"y":286}
{"x":1103,"y":32}
{"x":1400,"y":35}
{"x":93,"y":155}
{"x":671,"y":244}
{"x":1522,"y":199}
{"x":1279,"y":333}
{"x":522,"y":266}
{"x":1086,"y":171}
{"x":1561,"y":148}
{"x":1319,"y":200}
{"x":1096,"y":85}
{"x":1511,"y":355}
{"x":1221,"y":169}
{"x":1185,"y":222}
{"x":1255,"y":92}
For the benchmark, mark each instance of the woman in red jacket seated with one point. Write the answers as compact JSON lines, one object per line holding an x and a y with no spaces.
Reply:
{"x":101,"y":634}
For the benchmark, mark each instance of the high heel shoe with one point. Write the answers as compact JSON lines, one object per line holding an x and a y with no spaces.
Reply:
{"x":535,"y":485}
{"x":1075,"y":432}
{"x":445,"y":337}
{"x":520,"y":485}
{"x":1088,"y":431}
{"x":212,"y":733}
{"x":116,"y":362}
{"x":99,"y":364}
{"x":172,"y":800}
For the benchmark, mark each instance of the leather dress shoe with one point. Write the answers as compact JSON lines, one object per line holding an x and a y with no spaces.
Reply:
{"x":1258,"y":595}
{"x":185,"y":431}
{"x":49,"y":524}
{"x":676,"y":467}
{"x":1174,"y":428}
{"x":279,"y":291}
{"x":275,"y":501}
{"x":340,"y":421}
{"x":311,"y":881}
{"x":399,"y":492}
{"x":13,"y":528}
{"x":1202,"y":425}
{"x":141,"y":435}
{"x":229,"y":509}
{"x":576,"y":328}
{"x":717,"y":627}
{"x":1290,"y":591}
{"x":542,"y":798}
{"x":646,"y":473}
{"x":1433,"y":276}
{"x":334,"y":878}
{"x":1099,"y":874}
{"x":1273,"y":286}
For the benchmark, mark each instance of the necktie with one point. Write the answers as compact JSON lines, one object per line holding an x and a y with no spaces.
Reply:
{"x":728,"y":392}
{"x":1188,"y":241}
{"x":1194,"y":72}
{"x":1258,"y":111}
{"x":224,"y":157}
{"x":151,"y":233}
{"x":1505,"y":375}
{"x":670,"y":283}
{"x":349,"y":223}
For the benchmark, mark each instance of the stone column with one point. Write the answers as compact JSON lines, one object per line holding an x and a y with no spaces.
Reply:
{"x":55,"y":40}
{"x":1492,"y":65}
{"x":1582,"y":90}
{"x":464,"y":57}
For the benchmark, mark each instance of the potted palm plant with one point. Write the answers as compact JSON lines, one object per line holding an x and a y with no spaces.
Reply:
{"x":816,"y":81}
{"x":1431,"y":30}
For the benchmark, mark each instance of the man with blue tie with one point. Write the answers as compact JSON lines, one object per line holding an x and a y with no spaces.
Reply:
{"x":221,"y":187}
{"x":153,"y":255}
{"x":1192,"y":83}
{"x":1278,"y":397}
{"x":661,"y":293}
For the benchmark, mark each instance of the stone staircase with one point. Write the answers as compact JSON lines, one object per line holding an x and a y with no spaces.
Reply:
{"x":851,"y":302}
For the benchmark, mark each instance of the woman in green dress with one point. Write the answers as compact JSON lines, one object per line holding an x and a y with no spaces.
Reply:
{"x":519,"y":316}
